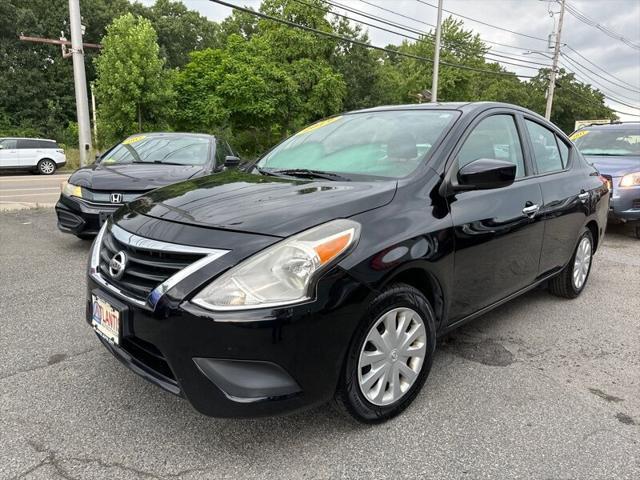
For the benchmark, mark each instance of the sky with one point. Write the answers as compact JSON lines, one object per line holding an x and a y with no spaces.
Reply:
{"x":528,"y":17}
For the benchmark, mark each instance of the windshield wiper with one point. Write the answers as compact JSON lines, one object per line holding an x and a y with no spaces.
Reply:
{"x":304,"y":172}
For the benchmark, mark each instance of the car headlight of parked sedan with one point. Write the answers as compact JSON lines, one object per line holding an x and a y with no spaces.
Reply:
{"x":630,"y":180}
{"x":282,"y":274}
{"x":71,"y":190}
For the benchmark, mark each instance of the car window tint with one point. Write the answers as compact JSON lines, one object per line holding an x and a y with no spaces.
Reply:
{"x":169,"y":149}
{"x":545,"y":149}
{"x":26,"y":143}
{"x":8,"y":143}
{"x":564,"y":151}
{"x":494,"y":137}
{"x":222,"y":150}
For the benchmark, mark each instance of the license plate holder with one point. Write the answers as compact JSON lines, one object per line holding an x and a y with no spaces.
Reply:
{"x":107,"y":317}
{"x":103,"y":217}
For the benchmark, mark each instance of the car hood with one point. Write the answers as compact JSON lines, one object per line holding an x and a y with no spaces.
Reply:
{"x":266,"y":205}
{"x":615,"y":166}
{"x":133,"y":177}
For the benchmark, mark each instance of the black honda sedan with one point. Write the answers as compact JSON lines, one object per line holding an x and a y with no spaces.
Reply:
{"x":133,"y":167}
{"x":330,"y":268}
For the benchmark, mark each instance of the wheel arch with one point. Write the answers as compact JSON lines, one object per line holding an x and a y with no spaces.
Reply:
{"x":424,"y":281}
{"x":592,"y":225}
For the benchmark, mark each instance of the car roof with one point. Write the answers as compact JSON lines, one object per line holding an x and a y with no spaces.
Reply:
{"x":611,"y":126}
{"x":466,"y":107}
{"x":27,"y":138}
{"x":172,"y":134}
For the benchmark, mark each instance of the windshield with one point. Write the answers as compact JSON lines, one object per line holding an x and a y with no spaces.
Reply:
{"x":173,"y":149}
{"x":387,"y":144}
{"x":614,"y":142}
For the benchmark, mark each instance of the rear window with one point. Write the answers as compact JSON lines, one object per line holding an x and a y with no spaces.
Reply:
{"x":34,"y":143}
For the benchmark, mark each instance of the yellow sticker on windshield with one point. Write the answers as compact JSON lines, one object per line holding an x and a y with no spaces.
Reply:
{"x":133,"y":139}
{"x":317,"y":125}
{"x":578,"y":134}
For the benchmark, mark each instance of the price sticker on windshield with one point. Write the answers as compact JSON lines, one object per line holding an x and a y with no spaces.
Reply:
{"x":318,"y":125}
{"x":578,"y":135}
{"x":133,"y":139}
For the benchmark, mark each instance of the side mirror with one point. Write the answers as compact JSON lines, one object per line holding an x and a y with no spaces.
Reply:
{"x":98,"y":157}
{"x":486,"y":173}
{"x":231,"y":161}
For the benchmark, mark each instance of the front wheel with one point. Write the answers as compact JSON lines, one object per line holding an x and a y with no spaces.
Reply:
{"x":570,"y":282}
{"x":46,"y":166}
{"x":390,"y":356}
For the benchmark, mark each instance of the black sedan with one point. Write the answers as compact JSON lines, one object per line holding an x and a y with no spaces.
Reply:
{"x":330,"y":268}
{"x":133,"y":167}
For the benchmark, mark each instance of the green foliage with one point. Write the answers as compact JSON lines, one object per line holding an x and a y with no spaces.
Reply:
{"x":132,"y":87}
{"x":250,"y":80}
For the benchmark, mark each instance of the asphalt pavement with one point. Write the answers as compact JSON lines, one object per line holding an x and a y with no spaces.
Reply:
{"x":540,"y":388}
{"x":29,"y":191}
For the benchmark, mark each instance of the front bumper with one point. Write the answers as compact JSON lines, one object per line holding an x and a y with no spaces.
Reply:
{"x":82,"y":217}
{"x":242,"y":364}
{"x":625,"y":204}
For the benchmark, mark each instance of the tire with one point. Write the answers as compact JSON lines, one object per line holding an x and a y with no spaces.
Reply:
{"x":565,"y":283}
{"x":637,"y":231}
{"x":398,"y":303}
{"x":47,"y":166}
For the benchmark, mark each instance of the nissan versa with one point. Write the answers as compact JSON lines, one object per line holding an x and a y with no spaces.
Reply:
{"x":330,"y":267}
{"x":133,"y":167}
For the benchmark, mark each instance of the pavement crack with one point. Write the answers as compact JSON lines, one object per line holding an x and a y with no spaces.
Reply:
{"x":52,"y":360}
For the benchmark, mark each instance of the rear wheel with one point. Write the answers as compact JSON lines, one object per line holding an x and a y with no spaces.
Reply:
{"x":570,"y":282}
{"x":390,"y":357}
{"x":46,"y":166}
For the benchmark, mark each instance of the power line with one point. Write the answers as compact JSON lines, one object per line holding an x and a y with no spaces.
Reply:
{"x":379,"y":7}
{"x":485,"y":23}
{"x":362,"y":44}
{"x":594,"y":102}
{"x":417,"y":39}
{"x":634,"y":88}
{"x":579,"y":67}
{"x":593,"y":23}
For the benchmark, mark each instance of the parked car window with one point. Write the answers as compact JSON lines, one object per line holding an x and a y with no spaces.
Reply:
{"x":545,"y":149}
{"x":28,"y":143}
{"x":388,"y":144}
{"x":181,"y":150}
{"x":494,"y":137}
{"x":564,"y":151}
{"x":610,"y":142}
{"x":222,"y":150}
{"x":8,"y":143}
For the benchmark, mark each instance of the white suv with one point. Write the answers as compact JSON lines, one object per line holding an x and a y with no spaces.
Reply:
{"x":38,"y":154}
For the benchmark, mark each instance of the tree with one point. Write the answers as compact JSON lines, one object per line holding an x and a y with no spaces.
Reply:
{"x":132,"y":88}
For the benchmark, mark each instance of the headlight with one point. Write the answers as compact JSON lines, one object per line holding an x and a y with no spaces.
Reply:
{"x":282,"y":274}
{"x":630,"y":180}
{"x":71,"y":190}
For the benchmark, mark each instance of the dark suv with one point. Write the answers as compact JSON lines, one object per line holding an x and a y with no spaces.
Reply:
{"x":330,"y":267}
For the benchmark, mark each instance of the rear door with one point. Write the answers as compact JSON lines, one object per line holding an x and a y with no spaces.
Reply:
{"x":27,"y":152}
{"x":564,"y":191}
{"x":498,"y":232}
{"x":8,"y":153}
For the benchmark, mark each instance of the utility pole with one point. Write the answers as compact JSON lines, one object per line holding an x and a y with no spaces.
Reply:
{"x":554,"y":67}
{"x":436,"y":56}
{"x":80,"y":82}
{"x":93,"y":114}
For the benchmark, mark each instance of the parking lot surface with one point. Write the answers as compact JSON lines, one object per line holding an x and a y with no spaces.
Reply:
{"x":540,"y":388}
{"x":29,"y":191}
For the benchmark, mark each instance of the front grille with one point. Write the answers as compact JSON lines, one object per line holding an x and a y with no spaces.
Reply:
{"x":145,"y":269}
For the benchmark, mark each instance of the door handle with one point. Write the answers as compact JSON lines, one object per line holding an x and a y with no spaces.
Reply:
{"x":531,"y":210}
{"x":583,"y":196}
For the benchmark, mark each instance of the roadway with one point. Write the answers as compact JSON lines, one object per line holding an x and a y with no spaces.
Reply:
{"x":18,"y":192}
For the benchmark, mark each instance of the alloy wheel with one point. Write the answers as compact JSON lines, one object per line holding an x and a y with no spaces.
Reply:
{"x":47,"y":167}
{"x":392,"y":356}
{"x":582,"y":263}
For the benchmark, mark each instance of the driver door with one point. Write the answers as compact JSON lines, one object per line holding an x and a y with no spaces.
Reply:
{"x":498,"y":232}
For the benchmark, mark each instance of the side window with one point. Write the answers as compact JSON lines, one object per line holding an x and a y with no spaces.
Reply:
{"x":545,"y":149}
{"x":8,"y":143}
{"x":564,"y":152}
{"x":494,"y":137}
{"x":222,"y":150}
{"x":47,"y":144}
{"x":28,"y":143}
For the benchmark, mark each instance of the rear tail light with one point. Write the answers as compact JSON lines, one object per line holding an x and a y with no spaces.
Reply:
{"x":606,"y":181}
